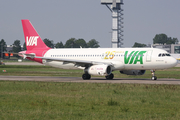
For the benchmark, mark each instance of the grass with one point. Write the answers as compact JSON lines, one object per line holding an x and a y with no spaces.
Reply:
{"x":50,"y":71}
{"x":15,"y":59}
{"x":37,"y":70}
{"x":88,"y":101}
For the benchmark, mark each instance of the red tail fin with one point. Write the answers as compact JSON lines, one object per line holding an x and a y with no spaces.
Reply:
{"x":32,"y":39}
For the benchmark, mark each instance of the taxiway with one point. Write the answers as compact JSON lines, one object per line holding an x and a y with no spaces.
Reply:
{"x":93,"y":80}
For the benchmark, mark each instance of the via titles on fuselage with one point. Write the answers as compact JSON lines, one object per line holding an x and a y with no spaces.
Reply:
{"x":132,"y":58}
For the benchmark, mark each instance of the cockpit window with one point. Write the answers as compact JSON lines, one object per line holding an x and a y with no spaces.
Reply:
{"x":168,"y":55}
{"x":163,"y":54}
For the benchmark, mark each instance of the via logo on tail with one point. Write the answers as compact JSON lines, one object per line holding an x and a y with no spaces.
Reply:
{"x":32,"y":40}
{"x":134,"y":57}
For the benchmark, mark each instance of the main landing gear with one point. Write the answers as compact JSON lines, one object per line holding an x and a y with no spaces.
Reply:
{"x":86,"y":76}
{"x":153,"y":75}
{"x":110,"y":77}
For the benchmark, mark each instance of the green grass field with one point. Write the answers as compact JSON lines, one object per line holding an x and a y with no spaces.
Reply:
{"x":50,"y":71}
{"x":15,"y":59}
{"x":86,"y":101}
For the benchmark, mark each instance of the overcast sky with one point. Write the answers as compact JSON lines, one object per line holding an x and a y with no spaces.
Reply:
{"x":60,"y":20}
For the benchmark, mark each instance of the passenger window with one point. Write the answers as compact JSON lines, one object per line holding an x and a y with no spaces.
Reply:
{"x":163,"y":55}
{"x":159,"y":55}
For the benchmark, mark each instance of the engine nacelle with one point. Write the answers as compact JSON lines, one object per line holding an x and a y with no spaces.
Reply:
{"x":133,"y":72}
{"x":102,"y":70}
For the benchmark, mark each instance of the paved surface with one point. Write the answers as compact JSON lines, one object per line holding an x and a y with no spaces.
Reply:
{"x":35,"y":63}
{"x":76,"y":79}
{"x":93,"y":80}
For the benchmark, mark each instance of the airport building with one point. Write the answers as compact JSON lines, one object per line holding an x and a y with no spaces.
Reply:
{"x":172,"y":48}
{"x":9,"y":48}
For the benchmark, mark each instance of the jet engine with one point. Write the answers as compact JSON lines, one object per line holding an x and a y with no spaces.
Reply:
{"x":102,"y":70}
{"x":133,"y":72}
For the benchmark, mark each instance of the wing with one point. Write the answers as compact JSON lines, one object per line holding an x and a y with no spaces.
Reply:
{"x":82,"y":63}
{"x":79,"y":63}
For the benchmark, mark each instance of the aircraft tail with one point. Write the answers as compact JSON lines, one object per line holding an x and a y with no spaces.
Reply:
{"x":32,"y":39}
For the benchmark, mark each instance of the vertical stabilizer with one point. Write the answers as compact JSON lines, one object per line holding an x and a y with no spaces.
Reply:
{"x":32,"y":39}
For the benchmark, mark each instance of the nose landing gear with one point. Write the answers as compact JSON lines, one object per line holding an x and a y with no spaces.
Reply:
{"x":153,"y":75}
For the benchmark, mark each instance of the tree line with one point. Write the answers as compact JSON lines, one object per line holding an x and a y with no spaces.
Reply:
{"x":71,"y":43}
{"x":77,"y":43}
{"x":159,"y":39}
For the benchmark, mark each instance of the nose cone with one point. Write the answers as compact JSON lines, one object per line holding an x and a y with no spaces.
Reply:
{"x":173,"y":62}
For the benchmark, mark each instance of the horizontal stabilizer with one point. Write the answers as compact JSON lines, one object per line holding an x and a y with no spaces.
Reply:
{"x":24,"y":55}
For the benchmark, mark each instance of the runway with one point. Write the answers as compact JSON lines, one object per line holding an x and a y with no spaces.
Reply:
{"x":35,"y":63}
{"x":79,"y":79}
{"x":92,"y":80}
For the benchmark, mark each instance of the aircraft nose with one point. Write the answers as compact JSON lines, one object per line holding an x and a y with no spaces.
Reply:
{"x":174,"y":62}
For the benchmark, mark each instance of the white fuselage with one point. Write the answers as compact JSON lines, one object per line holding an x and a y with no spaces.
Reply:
{"x":121,"y":58}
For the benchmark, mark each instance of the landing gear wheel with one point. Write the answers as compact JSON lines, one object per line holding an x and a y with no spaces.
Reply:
{"x":154,"y":78}
{"x":110,"y":77}
{"x":153,"y":75}
{"x":86,"y":76}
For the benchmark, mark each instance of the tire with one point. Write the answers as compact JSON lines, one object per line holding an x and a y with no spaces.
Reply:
{"x":154,"y":78}
{"x":86,"y":76}
{"x":110,"y":77}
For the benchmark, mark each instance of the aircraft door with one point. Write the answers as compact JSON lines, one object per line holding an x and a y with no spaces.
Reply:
{"x":148,"y":56}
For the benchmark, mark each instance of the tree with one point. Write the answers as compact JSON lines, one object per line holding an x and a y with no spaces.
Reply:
{"x":3,"y":47}
{"x":70,"y":43}
{"x":163,"y":38}
{"x":139,"y":45}
{"x":175,"y":41}
{"x":3,"y":43}
{"x":73,"y":43}
{"x":59,"y":45}
{"x":172,"y":41}
{"x":160,"y":38}
{"x":24,"y":46}
{"x":93,"y":44}
{"x":80,"y":42}
{"x":49,"y":43}
{"x":16,"y":47}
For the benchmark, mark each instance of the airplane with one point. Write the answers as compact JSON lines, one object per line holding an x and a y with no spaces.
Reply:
{"x":96,"y":61}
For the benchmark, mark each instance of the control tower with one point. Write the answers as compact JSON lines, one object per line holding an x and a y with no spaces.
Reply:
{"x":115,"y":7}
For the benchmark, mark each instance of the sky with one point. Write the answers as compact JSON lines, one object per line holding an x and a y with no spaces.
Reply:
{"x":60,"y":20}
